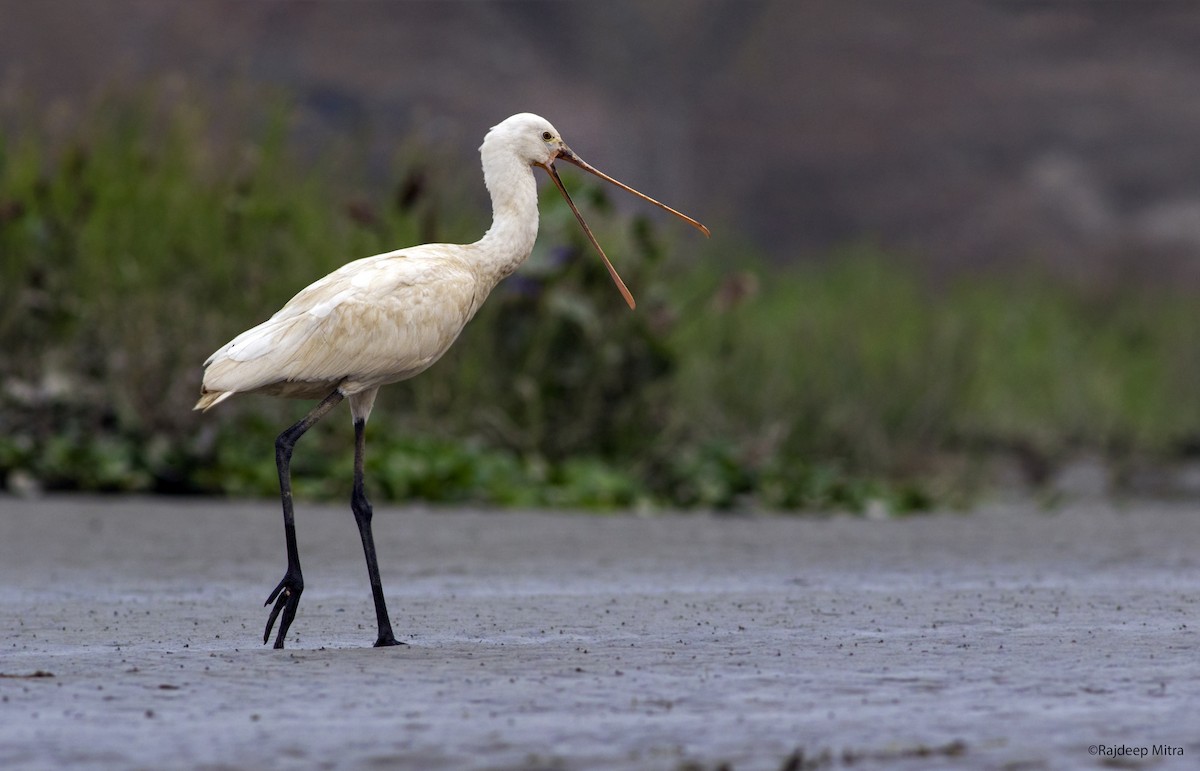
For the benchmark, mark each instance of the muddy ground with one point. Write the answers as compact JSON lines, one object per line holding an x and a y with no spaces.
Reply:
{"x":1011,"y":637}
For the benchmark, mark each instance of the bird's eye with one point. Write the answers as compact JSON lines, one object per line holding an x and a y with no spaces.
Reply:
{"x":547,"y":136}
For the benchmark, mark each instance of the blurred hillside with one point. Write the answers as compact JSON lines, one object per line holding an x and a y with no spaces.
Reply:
{"x":970,"y":134}
{"x":154,"y":155}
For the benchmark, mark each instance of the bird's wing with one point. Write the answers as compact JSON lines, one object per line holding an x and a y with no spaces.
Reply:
{"x":379,"y":319}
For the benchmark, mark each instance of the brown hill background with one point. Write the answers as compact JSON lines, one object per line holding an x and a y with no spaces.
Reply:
{"x":969,"y":133}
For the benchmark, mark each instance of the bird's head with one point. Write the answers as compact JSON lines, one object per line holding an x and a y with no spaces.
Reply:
{"x":535,"y":141}
{"x":530,"y":137}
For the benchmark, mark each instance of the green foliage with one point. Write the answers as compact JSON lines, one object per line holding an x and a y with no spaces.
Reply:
{"x":856,"y":359}
{"x":135,"y":246}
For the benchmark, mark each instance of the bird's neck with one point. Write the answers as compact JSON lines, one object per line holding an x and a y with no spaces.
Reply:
{"x":509,"y":240}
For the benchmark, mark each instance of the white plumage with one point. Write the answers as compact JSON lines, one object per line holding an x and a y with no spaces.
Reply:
{"x":383,"y":319}
{"x":374,"y":321}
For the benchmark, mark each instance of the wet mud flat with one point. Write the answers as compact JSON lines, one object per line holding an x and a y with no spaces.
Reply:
{"x":1010,"y":637}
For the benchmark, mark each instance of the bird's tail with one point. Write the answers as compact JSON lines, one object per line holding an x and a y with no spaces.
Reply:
{"x":210,"y":399}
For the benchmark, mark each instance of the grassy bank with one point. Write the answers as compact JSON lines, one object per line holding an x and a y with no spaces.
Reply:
{"x":141,"y":238}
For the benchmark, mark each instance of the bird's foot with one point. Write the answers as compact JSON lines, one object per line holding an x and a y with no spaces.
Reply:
{"x":387,"y":639}
{"x":286,"y":597}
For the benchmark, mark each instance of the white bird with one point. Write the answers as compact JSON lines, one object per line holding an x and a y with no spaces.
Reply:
{"x":386,"y":318}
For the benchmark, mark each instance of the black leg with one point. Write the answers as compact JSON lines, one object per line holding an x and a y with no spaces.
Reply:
{"x":287,"y":594}
{"x":362,"y":515}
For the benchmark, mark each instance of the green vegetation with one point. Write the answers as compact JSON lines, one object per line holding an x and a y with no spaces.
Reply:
{"x":139,"y":242}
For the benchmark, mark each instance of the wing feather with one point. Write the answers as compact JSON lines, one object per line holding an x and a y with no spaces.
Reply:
{"x":373,"y":321}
